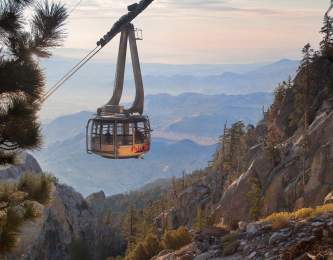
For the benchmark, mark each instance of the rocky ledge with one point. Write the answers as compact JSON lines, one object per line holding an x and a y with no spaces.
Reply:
{"x":302,"y":240}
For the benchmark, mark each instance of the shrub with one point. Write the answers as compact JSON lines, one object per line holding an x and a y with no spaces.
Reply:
{"x":302,"y":213}
{"x":38,"y":187}
{"x":281,"y":219}
{"x":19,"y":203}
{"x":175,"y":239}
{"x":230,"y":244}
{"x":139,"y":253}
{"x":278,"y":220}
{"x":152,"y":245}
{"x":322,"y":209}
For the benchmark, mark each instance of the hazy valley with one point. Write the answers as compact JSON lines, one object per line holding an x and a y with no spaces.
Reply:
{"x":186,"y":129}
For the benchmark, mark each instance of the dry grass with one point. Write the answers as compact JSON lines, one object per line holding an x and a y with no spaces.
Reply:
{"x":302,"y":213}
{"x":322,"y":209}
{"x":281,"y":219}
{"x":278,"y":220}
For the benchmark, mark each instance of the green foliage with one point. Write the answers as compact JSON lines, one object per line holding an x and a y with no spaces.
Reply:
{"x":230,"y":244}
{"x":175,"y":239}
{"x":237,"y":145}
{"x":139,"y":253}
{"x":145,"y":250}
{"x":21,"y":79}
{"x":38,"y":187}
{"x":201,"y":220}
{"x":329,"y":87}
{"x":20,"y":203}
{"x":130,"y":227}
{"x":326,"y":44}
{"x":152,"y":245}
{"x":254,"y":196}
{"x":303,"y":94}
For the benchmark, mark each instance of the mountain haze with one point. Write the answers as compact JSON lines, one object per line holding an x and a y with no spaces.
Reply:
{"x":92,"y":86}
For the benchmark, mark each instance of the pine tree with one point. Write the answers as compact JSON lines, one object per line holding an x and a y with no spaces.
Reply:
{"x":174,"y":191}
{"x":326,"y":45}
{"x":254,"y":196}
{"x":303,"y":92}
{"x":201,"y":219}
{"x":237,"y":146}
{"x":21,"y":79}
{"x":130,"y":227}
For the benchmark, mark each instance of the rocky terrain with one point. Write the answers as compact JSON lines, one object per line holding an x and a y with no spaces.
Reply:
{"x":303,"y":239}
{"x":67,"y":225}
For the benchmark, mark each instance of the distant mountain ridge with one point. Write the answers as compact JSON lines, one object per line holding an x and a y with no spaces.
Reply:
{"x":94,"y":83}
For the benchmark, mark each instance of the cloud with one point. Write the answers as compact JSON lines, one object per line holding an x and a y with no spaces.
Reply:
{"x":216,"y":10}
{"x":112,"y":8}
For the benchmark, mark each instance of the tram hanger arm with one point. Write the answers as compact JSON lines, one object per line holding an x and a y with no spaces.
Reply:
{"x":133,"y":11}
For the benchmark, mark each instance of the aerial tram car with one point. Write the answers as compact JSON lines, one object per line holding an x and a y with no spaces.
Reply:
{"x":116,"y":132}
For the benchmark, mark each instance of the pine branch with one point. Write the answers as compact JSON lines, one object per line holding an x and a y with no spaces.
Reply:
{"x":11,"y":17}
{"x":47,"y":28}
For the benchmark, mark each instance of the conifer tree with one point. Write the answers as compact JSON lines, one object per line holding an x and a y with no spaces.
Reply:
{"x":130,"y":225}
{"x":237,"y":145}
{"x":303,"y":92}
{"x":21,"y":79}
{"x":254,"y":196}
{"x":201,"y":219}
{"x":326,"y":45}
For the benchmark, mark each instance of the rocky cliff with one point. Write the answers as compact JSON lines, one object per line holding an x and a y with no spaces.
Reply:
{"x":68,"y":227}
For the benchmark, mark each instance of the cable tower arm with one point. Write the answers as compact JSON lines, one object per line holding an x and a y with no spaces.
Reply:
{"x":133,"y":11}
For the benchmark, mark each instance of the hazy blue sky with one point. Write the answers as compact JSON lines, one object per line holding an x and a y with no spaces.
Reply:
{"x":203,"y":31}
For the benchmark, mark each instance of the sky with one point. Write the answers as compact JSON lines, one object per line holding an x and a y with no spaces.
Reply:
{"x":201,"y":31}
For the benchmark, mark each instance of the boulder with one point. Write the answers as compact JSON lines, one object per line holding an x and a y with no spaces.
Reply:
{"x":276,"y":238}
{"x":253,"y":228}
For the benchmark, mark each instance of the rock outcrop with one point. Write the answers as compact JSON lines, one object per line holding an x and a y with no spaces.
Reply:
{"x":25,"y":163}
{"x":304,"y":239}
{"x":285,"y":186}
{"x":68,"y":224}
